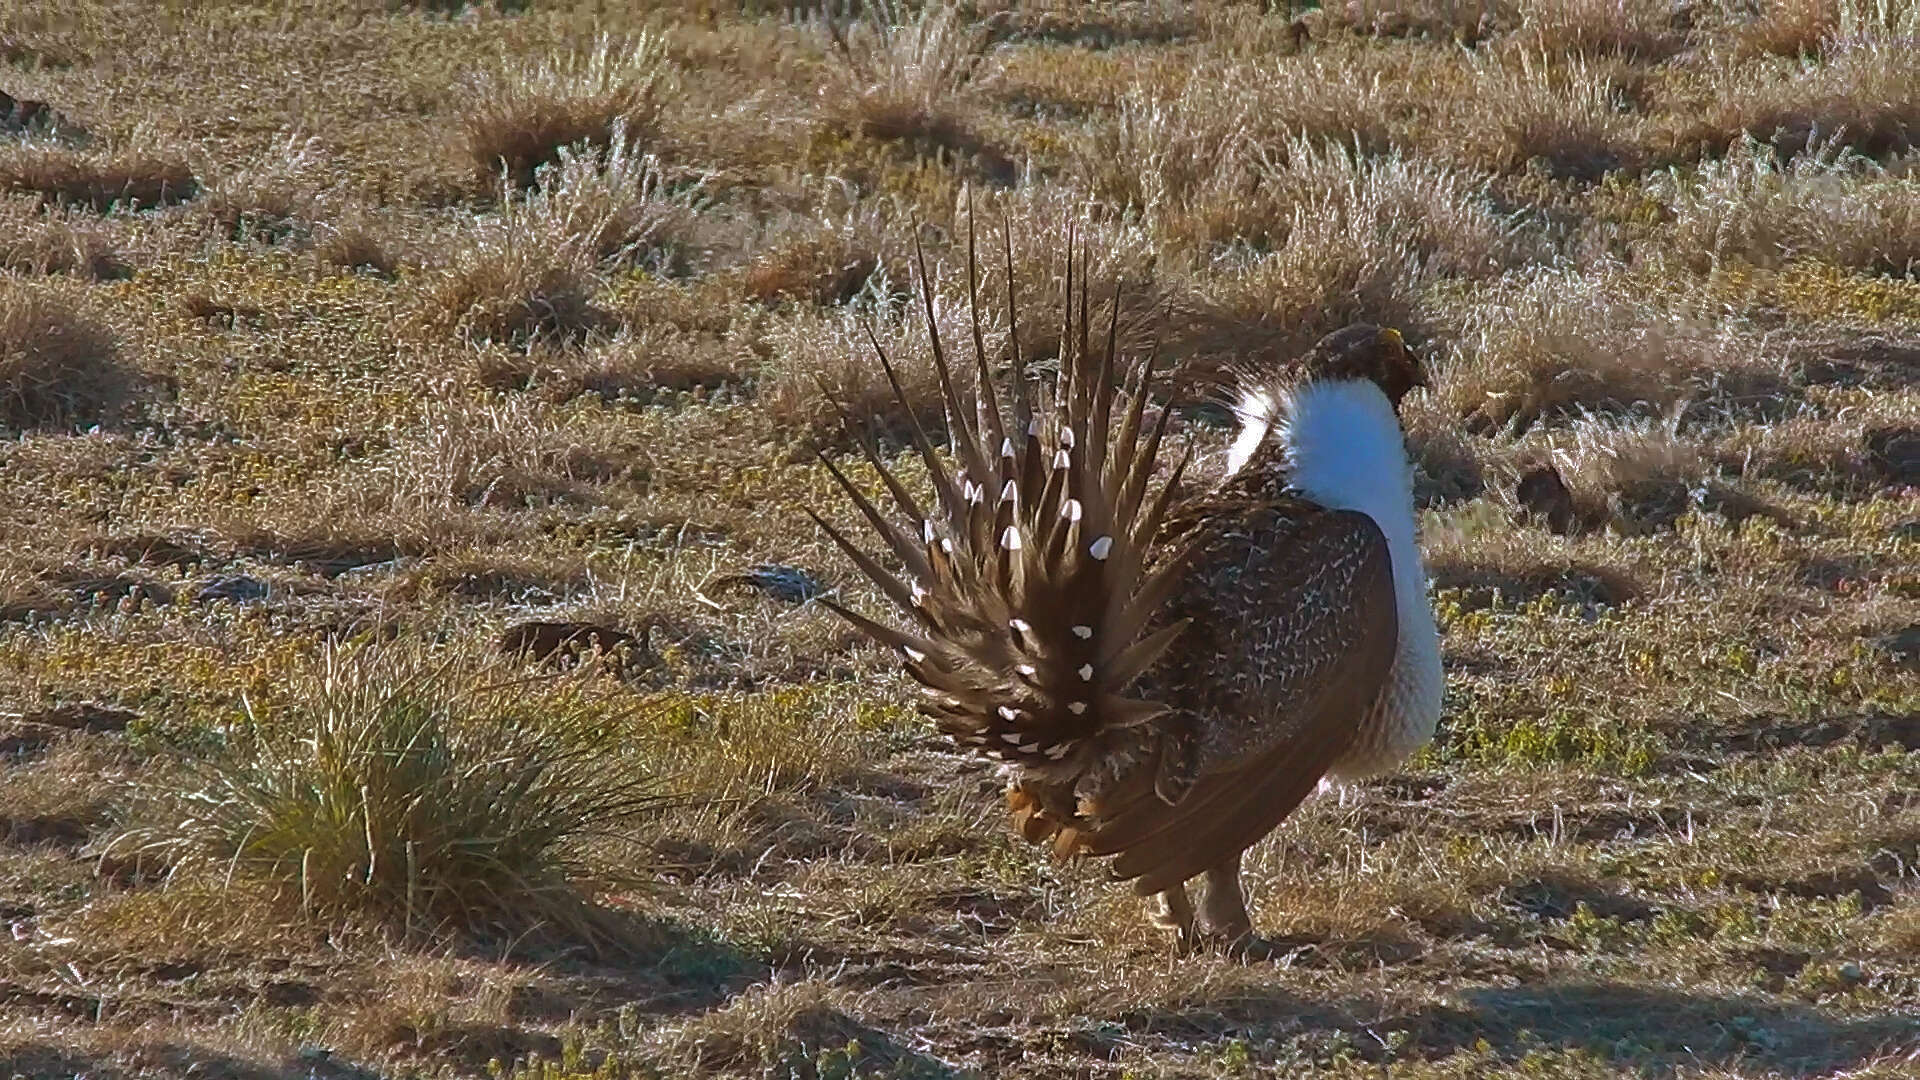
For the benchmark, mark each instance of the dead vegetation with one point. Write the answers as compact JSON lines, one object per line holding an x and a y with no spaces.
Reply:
{"x":518,"y":116}
{"x":58,"y":367}
{"x":138,"y":175}
{"x":350,"y":345}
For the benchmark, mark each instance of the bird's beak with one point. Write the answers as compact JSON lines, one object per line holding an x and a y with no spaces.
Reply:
{"x":1396,"y":346}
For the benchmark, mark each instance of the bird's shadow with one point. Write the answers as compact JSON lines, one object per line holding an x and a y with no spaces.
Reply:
{"x":1646,"y":1031}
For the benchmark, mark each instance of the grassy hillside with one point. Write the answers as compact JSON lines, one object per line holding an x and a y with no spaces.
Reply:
{"x":339,"y":340}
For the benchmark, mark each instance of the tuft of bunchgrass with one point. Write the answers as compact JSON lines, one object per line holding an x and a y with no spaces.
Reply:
{"x":909,"y":79}
{"x":520,"y":115}
{"x":57,"y":366}
{"x":1829,"y":204}
{"x":395,"y":789}
{"x":528,"y":272}
{"x":140,"y":174}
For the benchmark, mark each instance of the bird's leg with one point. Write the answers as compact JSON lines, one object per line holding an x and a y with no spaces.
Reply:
{"x":1223,"y":911}
{"x":1172,"y":910}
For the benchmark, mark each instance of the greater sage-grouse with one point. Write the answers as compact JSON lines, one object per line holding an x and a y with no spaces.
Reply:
{"x":1166,"y":675}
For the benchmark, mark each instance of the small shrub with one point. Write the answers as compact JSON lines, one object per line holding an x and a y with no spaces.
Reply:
{"x":57,"y":366}
{"x":519,"y":116}
{"x":400,"y":790}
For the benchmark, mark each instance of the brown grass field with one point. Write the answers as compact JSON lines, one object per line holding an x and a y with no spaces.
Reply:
{"x":340,"y":339}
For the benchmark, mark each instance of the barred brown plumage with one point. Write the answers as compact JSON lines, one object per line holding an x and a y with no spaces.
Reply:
{"x":1045,"y":603}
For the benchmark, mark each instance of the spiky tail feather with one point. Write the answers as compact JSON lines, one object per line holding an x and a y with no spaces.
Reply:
{"x":1030,"y":594}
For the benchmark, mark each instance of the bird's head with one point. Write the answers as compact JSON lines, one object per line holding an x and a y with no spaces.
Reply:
{"x":1366,"y":352}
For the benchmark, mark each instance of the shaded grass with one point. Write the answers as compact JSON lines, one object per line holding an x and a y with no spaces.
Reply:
{"x":58,"y":367}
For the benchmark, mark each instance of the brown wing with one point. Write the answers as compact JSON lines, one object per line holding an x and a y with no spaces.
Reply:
{"x":1292,"y":637}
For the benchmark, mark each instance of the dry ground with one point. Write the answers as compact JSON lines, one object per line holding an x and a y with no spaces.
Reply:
{"x":336,"y":338}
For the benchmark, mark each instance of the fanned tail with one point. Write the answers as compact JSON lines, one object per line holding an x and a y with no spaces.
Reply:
{"x":1029,"y":593}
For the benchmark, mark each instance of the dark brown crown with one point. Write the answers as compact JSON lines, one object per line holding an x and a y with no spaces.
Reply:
{"x":1366,"y":351}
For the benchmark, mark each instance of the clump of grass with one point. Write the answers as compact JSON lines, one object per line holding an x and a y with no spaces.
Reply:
{"x":47,"y":240}
{"x":1356,"y":238}
{"x":356,"y":241}
{"x":652,"y":365}
{"x":1790,"y":28}
{"x":58,"y":367}
{"x":278,"y":197}
{"x":398,"y":790}
{"x":829,"y":351}
{"x":1190,"y":159}
{"x":520,"y":115}
{"x":1563,"y":119}
{"x":1828,"y":204}
{"x":1465,"y":21}
{"x":132,"y":177}
{"x":1640,"y":475}
{"x":618,"y":203}
{"x":908,"y":80}
{"x":1811,"y":27}
{"x":527,"y":273}
{"x":1866,"y":88}
{"x":1626,"y":28}
{"x":825,"y":260}
{"x":510,"y":454}
{"x":513,"y":280}
{"x":1559,"y":342}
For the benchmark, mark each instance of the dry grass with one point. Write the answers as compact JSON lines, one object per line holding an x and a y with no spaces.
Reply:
{"x":517,"y":316}
{"x":519,"y":116}
{"x":400,"y":789}
{"x":1863,"y":90}
{"x":1827,"y":204}
{"x":129,"y":177}
{"x":1642,"y":29}
{"x":908,"y":79}
{"x":38,"y":240}
{"x":58,"y":367}
{"x":1558,"y":343}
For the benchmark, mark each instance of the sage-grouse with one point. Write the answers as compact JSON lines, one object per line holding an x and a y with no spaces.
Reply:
{"x":1166,"y":673}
